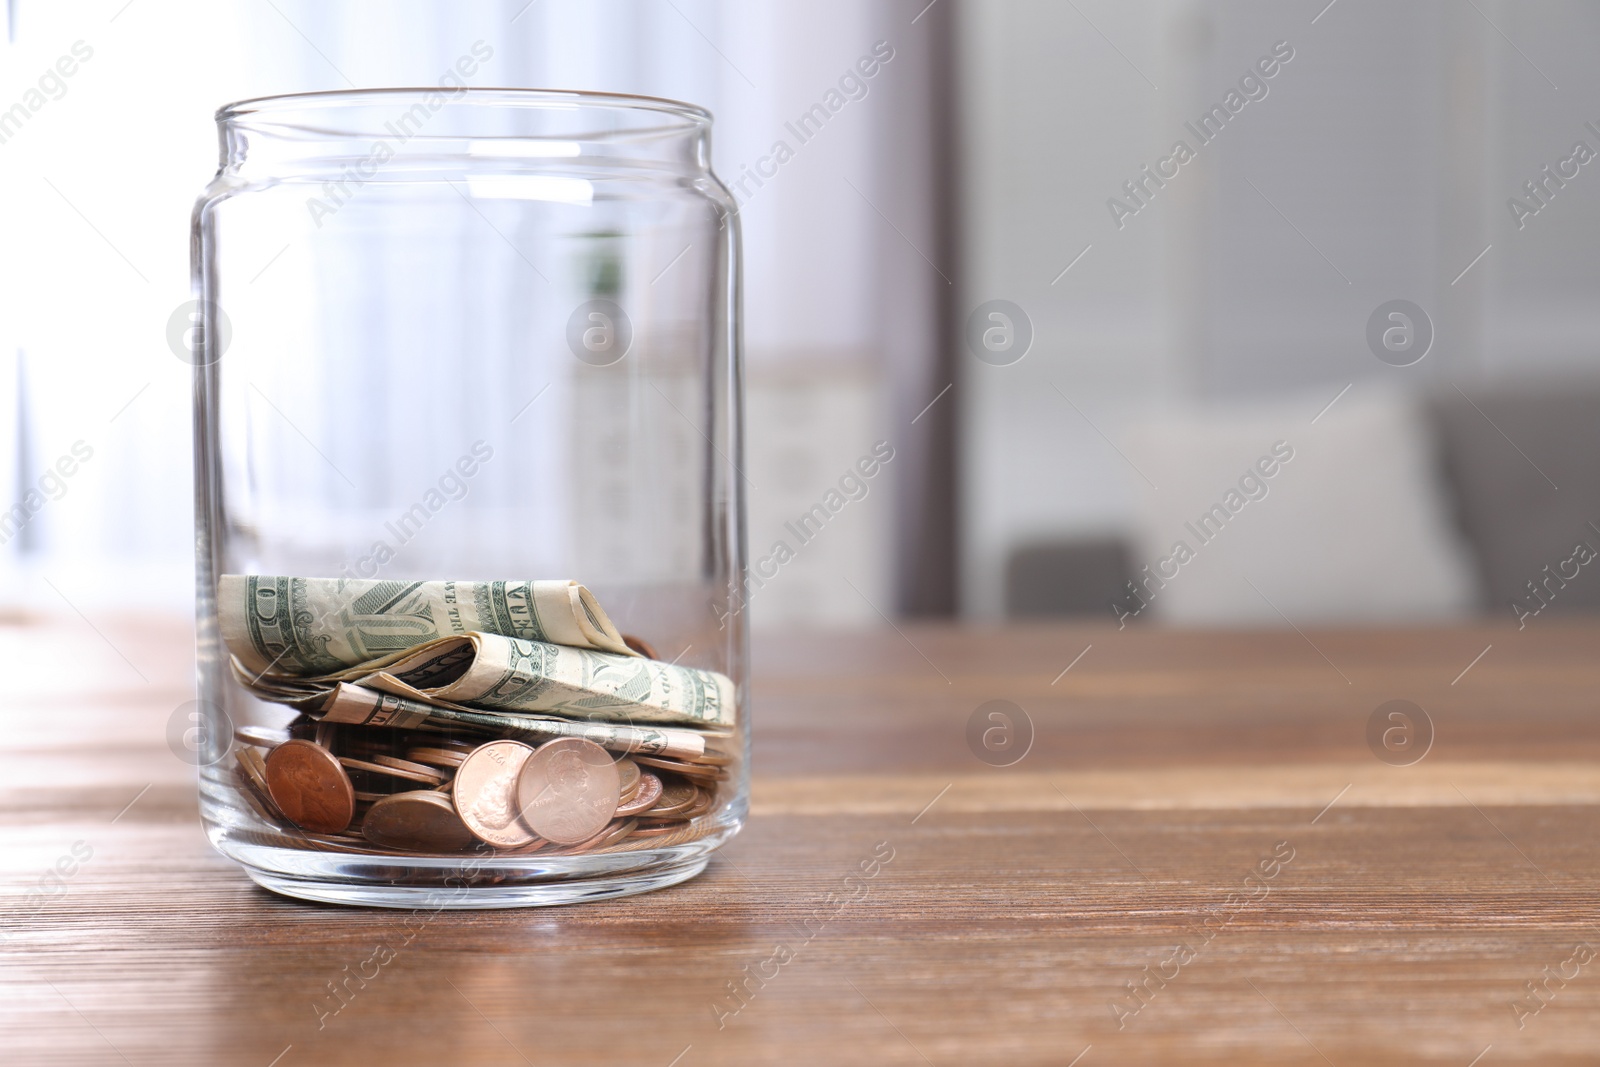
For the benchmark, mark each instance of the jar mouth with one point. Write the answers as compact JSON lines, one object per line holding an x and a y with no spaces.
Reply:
{"x":445,"y":118}
{"x":335,"y":112}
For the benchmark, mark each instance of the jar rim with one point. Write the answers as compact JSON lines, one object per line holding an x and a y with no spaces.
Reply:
{"x":689,"y":116}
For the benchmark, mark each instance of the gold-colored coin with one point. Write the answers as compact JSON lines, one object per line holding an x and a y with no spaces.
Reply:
{"x":658,"y":829}
{"x":645,"y":797}
{"x":310,"y":787}
{"x":486,"y":794}
{"x":420,"y":821}
{"x":568,"y":790}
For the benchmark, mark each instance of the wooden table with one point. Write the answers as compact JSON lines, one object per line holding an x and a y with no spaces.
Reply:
{"x":1406,"y":909}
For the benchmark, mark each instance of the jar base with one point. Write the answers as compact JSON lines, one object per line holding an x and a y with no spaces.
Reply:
{"x":525,"y":895}
{"x":294,"y":864}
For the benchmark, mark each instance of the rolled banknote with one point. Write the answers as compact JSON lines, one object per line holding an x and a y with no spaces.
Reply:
{"x":355,"y":704}
{"x":315,"y":626}
{"x":489,"y":671}
{"x":509,"y":674}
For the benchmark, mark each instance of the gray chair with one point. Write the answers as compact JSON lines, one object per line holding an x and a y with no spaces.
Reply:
{"x":1503,"y":455}
{"x":1068,"y":577}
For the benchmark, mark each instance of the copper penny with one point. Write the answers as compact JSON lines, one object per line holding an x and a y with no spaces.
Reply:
{"x":486,"y":794}
{"x":568,"y":790}
{"x":538,"y":843}
{"x":254,"y":766}
{"x":665,"y":763}
{"x":422,"y":821}
{"x":676,"y":797}
{"x":647,"y":797}
{"x":254,"y":787}
{"x":700,"y":771}
{"x":260,"y":736}
{"x":640,"y":645}
{"x":627,"y":775}
{"x":434,"y":756}
{"x":613,"y":833}
{"x":658,"y":829}
{"x":702,"y":804}
{"x":339,"y":840}
{"x":308,"y":785}
{"x":263,"y":807}
{"x":407,"y":765}
{"x":425,"y":775}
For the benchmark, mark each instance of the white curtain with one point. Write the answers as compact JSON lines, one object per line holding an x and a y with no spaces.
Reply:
{"x":99,"y":168}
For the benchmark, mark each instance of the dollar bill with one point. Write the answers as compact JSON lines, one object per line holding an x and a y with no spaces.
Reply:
{"x":510,"y":674}
{"x":315,"y":626}
{"x":490,"y":671}
{"x":354,"y":704}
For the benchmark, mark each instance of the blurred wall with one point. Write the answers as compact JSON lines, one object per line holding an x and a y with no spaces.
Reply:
{"x":1374,"y":164}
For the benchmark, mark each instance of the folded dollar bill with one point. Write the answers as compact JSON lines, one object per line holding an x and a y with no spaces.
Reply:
{"x":315,"y":626}
{"x":369,"y":707}
{"x":495,"y":672}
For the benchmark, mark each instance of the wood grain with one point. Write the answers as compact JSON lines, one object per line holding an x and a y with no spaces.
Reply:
{"x":1018,"y":904}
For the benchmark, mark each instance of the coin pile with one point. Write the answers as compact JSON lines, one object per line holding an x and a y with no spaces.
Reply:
{"x":386,"y":789}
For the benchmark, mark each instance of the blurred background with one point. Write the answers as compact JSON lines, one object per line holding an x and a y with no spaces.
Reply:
{"x":1235,"y":313}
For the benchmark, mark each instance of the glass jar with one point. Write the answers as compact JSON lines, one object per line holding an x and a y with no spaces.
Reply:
{"x":469,"y":496}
